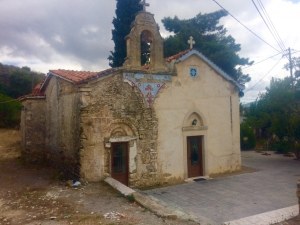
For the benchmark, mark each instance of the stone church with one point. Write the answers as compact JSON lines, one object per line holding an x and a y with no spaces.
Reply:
{"x":164,"y":122}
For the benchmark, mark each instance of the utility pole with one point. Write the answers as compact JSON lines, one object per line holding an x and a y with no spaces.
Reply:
{"x":291,"y":67}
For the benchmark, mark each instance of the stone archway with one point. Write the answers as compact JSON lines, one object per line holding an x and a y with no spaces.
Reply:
{"x":121,"y":150}
{"x":194,"y":144}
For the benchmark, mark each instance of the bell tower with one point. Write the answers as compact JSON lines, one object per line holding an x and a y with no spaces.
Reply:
{"x":144,"y":43}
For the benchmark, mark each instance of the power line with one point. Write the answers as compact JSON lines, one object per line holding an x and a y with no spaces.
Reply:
{"x":245,"y":26}
{"x":267,"y":59}
{"x":262,"y":77}
{"x":261,"y":61}
{"x":272,"y":25}
{"x":271,"y":28}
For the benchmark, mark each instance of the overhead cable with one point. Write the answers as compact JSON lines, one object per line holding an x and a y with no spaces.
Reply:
{"x":271,"y":28}
{"x":262,"y":77}
{"x":261,"y":61}
{"x":246,"y":27}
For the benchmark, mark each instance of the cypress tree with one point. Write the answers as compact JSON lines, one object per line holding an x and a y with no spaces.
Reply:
{"x":125,"y":15}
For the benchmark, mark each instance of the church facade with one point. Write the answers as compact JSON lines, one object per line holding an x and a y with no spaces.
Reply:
{"x":164,"y":122}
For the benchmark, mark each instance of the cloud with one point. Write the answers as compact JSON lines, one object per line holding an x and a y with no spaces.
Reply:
{"x":77,"y":34}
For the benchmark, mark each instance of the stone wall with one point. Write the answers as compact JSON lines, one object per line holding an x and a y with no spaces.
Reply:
{"x":33,"y":129}
{"x":62,"y":127}
{"x":115,"y":109}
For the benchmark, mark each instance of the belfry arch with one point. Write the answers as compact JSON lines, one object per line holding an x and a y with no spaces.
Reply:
{"x":146,"y":39}
{"x":144,"y":33}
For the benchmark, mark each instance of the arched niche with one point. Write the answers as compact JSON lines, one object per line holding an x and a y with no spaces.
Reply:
{"x":121,"y":131}
{"x":194,"y":120}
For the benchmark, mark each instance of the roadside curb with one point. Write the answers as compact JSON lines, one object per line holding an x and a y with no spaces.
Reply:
{"x":153,"y":206}
{"x":141,"y":199}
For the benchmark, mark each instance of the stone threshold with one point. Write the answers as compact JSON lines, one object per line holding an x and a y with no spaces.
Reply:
{"x":191,"y":179}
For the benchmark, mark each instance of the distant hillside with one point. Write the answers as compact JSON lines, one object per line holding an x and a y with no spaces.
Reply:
{"x":16,"y":81}
{"x":247,"y":105}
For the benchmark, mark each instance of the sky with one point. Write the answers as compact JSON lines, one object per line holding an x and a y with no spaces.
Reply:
{"x":76,"y":35}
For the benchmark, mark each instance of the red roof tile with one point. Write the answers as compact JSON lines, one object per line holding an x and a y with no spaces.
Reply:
{"x":81,"y":76}
{"x":37,"y":89}
{"x":36,"y":92}
{"x":177,"y":56}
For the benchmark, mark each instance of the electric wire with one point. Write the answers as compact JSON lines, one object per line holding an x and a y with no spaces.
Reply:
{"x":261,"y":61}
{"x":262,"y":77}
{"x":272,"y":25}
{"x":276,"y":35}
{"x":245,"y":26}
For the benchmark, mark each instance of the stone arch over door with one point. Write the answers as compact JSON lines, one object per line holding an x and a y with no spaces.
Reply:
{"x":121,"y":133}
{"x":190,"y":129}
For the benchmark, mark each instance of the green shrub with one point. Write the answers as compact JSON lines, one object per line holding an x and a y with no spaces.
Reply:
{"x":247,"y":132}
{"x":10,"y":111}
{"x":281,"y":146}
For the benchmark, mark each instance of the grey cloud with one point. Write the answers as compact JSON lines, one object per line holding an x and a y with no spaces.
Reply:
{"x":28,"y":21}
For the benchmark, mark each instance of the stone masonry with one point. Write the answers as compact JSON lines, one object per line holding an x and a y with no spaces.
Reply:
{"x":113,"y":109}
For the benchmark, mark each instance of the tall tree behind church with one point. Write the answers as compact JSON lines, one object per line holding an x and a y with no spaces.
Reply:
{"x":125,"y":15}
{"x":211,"y":40}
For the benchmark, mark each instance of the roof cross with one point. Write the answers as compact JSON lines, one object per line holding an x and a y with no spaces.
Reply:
{"x":191,"y":42}
{"x":144,"y":5}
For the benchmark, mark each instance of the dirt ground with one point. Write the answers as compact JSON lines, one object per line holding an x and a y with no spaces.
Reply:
{"x":34,"y":194}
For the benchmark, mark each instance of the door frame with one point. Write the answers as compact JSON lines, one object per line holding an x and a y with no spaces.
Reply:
{"x":189,"y":133}
{"x":126,"y":159}
{"x":201,"y":161}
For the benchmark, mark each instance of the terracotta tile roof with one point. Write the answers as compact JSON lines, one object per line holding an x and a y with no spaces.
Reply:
{"x":37,"y":89}
{"x":177,"y":56}
{"x":169,"y":59}
{"x":36,"y":93}
{"x":81,"y":76}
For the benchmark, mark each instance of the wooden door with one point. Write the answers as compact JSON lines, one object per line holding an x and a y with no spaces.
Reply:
{"x":194,"y":156}
{"x":119,"y":162}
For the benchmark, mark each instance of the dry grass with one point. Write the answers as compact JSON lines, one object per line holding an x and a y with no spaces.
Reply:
{"x":10,"y":143}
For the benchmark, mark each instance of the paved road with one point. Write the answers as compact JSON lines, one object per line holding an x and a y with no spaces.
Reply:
{"x":224,"y":199}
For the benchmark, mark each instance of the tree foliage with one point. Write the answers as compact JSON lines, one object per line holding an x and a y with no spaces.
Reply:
{"x":211,"y":40}
{"x":125,"y":15}
{"x":295,"y":65}
{"x":247,"y":138}
{"x":277,"y":113}
{"x":15,"y":82}
{"x":9,"y":111}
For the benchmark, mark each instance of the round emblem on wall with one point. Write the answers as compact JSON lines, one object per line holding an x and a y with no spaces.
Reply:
{"x":193,"y":72}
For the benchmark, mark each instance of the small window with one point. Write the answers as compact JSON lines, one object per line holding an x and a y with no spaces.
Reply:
{"x":193,"y":72}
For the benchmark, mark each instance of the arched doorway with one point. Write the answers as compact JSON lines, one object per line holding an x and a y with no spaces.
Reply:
{"x":194,"y":134}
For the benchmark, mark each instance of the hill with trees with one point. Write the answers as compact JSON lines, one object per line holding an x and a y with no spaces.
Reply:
{"x":14,"y":83}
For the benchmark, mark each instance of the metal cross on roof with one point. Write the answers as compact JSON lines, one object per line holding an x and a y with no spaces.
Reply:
{"x":191,"y":42}
{"x":144,"y":5}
